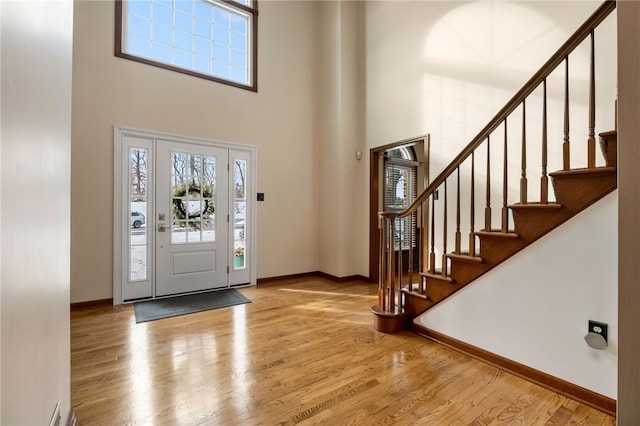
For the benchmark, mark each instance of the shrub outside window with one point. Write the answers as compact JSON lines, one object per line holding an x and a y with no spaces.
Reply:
{"x":212,"y":39}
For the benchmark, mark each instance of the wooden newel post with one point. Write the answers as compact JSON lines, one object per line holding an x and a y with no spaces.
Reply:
{"x":388,"y":314}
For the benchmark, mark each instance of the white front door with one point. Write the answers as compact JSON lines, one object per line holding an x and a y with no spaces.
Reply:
{"x":192,"y":211}
{"x":184,"y":215}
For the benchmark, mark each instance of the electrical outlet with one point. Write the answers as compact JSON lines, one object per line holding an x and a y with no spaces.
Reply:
{"x":599,"y":328}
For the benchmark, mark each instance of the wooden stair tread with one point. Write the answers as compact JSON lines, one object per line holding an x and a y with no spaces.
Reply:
{"x":497,"y":233}
{"x":464,"y":257}
{"x":608,"y":134}
{"x":609,"y":147}
{"x":596,"y":171}
{"x":536,"y":205}
{"x":574,"y":189}
{"x":437,"y":276}
{"x":414,"y":292}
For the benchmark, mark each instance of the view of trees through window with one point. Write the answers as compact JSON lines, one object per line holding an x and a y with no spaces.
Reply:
{"x":193,"y":193}
{"x":193,"y":205}
{"x":239,"y":213}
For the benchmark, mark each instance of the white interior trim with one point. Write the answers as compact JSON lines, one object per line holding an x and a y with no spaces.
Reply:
{"x":119,"y":275}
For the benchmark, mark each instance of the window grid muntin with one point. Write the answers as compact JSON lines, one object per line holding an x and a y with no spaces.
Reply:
{"x":190,"y":171}
{"x":237,"y":67}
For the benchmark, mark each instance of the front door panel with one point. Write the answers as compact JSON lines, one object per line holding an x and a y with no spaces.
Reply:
{"x":192,"y":197}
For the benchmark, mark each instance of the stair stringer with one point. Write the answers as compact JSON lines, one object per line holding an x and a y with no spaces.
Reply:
{"x":534,"y":309}
{"x":575,"y":191}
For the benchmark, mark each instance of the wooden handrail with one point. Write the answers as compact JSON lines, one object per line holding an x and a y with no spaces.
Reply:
{"x":556,"y":59}
{"x":389,"y":312}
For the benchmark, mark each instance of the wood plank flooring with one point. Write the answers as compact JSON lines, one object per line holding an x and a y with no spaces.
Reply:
{"x":303,"y":352}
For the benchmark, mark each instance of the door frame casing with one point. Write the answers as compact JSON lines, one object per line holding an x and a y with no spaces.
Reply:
{"x":375,"y":188}
{"x":120,"y":132}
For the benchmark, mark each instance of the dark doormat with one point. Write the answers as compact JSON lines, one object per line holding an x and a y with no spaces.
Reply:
{"x":151,"y":310}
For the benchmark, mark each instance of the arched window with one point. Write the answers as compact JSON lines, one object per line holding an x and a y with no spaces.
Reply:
{"x":400,"y":190}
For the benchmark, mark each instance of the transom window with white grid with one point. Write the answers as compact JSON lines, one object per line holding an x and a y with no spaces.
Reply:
{"x":213,"y":39}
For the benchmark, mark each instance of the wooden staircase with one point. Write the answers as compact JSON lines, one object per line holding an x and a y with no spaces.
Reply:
{"x":575,"y":190}
{"x":406,"y":291}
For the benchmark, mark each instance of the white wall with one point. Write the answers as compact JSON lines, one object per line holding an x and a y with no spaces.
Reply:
{"x":446,"y":68}
{"x":342,"y":177}
{"x":34,"y":214}
{"x":534,"y":309}
{"x":281,"y":120}
{"x":334,"y":78}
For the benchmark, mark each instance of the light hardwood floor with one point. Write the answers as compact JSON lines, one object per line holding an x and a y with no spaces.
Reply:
{"x":304,"y":351}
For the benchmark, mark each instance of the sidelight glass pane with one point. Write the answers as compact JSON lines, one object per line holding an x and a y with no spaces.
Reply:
{"x":239,"y":214}
{"x":240,"y":168}
{"x":138,"y":237}
{"x":239,"y":220}
{"x":239,"y":255}
{"x":138,"y":240}
{"x":138,"y":263}
{"x":138,"y":172}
